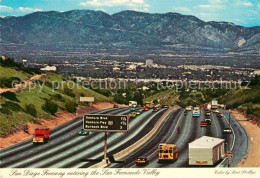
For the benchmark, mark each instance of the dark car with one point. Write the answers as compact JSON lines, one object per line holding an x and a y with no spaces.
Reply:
{"x":142,"y":161}
{"x":83,"y":132}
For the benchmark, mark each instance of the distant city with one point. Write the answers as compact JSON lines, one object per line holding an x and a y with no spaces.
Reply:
{"x":148,"y":70}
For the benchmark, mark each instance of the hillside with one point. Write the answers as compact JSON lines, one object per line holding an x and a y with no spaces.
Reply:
{"x":37,"y":101}
{"x":126,"y":29}
{"x":241,"y":98}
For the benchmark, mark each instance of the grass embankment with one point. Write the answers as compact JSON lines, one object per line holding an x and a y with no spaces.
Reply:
{"x":38,"y":101}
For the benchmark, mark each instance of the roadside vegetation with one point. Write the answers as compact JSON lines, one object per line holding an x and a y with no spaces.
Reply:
{"x":41,"y":101}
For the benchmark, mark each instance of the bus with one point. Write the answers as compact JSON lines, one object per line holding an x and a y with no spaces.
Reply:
{"x":167,"y":152}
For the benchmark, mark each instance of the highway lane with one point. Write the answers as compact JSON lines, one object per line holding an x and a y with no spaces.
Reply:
{"x":165,"y":129}
{"x":122,"y":141}
{"x":68,"y":152}
{"x":239,"y":143}
{"x":190,"y":131}
{"x":56,"y":132}
{"x":22,"y":151}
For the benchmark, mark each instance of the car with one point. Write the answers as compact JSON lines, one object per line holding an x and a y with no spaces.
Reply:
{"x":142,"y":161}
{"x":196,"y":108}
{"x":165,"y":106}
{"x":138,"y":112}
{"x":208,"y":120}
{"x":220,"y":114}
{"x":145,"y":108}
{"x":227,"y":130}
{"x":133,"y":115}
{"x":188,"y":108}
{"x":115,"y":106}
{"x":155,"y":109}
{"x":132,"y":108}
{"x":83,"y":132}
{"x":216,"y":110}
{"x":203,"y":123}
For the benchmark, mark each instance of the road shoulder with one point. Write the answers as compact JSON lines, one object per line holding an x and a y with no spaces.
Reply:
{"x":253,"y":131}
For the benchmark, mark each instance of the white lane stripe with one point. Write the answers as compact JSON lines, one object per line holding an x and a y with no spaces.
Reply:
{"x":232,"y":143}
{"x":65,"y":128}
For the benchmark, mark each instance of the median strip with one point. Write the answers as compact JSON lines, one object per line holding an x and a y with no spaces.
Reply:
{"x":140,"y":142}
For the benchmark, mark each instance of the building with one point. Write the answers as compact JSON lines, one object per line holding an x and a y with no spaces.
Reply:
{"x":149,"y":62}
{"x":49,"y":68}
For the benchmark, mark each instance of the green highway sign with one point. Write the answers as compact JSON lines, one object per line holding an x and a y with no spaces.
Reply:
{"x":105,"y":123}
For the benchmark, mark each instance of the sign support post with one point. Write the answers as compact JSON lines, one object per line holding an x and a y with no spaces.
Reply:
{"x":105,"y":148}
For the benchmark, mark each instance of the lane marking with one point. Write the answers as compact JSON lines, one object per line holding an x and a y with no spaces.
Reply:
{"x":232,"y":143}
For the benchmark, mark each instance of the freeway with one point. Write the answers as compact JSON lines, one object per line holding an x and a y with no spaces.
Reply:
{"x":66,"y":148}
{"x":190,"y":130}
{"x":17,"y":152}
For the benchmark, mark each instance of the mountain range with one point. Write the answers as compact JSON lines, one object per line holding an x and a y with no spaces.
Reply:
{"x":125,"y":29}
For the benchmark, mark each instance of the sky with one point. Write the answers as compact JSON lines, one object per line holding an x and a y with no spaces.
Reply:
{"x":240,"y":12}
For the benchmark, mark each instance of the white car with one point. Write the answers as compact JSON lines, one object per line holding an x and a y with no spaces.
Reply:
{"x":227,"y":131}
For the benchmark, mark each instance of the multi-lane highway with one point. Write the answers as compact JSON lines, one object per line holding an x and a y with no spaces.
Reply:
{"x":68,"y":150}
{"x":190,"y":130}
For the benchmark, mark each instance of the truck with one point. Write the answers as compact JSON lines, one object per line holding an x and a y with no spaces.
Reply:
{"x":41,"y":136}
{"x":132,"y":103}
{"x":167,"y":152}
{"x":214,"y":104}
{"x":206,"y":151}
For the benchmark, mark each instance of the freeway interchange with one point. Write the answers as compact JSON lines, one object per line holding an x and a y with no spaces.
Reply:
{"x":67,"y":149}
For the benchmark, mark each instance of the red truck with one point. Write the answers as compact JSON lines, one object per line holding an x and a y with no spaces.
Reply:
{"x":41,"y":136}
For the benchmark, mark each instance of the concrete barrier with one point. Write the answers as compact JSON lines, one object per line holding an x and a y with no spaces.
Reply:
{"x":139,"y":143}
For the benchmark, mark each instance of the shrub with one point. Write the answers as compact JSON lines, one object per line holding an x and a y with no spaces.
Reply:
{"x":30,"y":109}
{"x":10,"y":95}
{"x":69,"y":92}
{"x":8,"y":82}
{"x":11,"y":106}
{"x":71,"y":106}
{"x":50,"y":107}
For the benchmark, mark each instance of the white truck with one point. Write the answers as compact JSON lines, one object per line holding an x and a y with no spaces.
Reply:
{"x":214,"y":104}
{"x":206,"y":151}
{"x":132,"y":103}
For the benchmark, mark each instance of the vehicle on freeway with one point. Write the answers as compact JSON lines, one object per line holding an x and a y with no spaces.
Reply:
{"x":214,"y":104}
{"x":206,"y":151}
{"x":204,"y":123}
{"x":142,"y":161}
{"x":196,"y":108}
{"x":115,"y":106}
{"x":227,"y":130}
{"x":138,"y":112}
{"x":83,"y":132}
{"x":188,"y":108}
{"x":132,"y":108}
{"x":208,"y":120}
{"x":167,"y":152}
{"x":145,"y":108}
{"x":148,"y":104}
{"x":131,"y":103}
{"x":220,"y":114}
{"x":133,"y":115}
{"x":196,"y":113}
{"x":165,"y":106}
{"x":207,"y":113}
{"x":215,"y":110}
{"x":155,"y":109}
{"x":41,"y":136}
